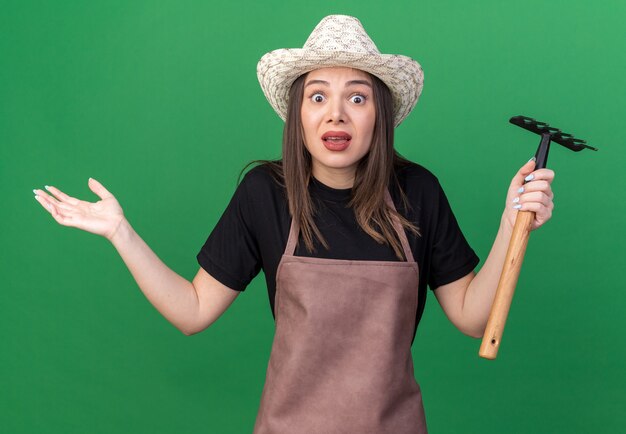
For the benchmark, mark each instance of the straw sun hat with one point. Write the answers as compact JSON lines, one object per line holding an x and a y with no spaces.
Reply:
{"x":340,"y":40}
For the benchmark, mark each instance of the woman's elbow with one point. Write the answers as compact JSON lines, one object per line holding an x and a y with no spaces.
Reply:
{"x":476,"y":332}
{"x":188,"y":332}
{"x":189,"y":329}
{"x":476,"y":335}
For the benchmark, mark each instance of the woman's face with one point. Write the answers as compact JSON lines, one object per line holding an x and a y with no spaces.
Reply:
{"x":338,"y":116}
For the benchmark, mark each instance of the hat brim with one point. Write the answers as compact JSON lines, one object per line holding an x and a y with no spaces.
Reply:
{"x":278,"y":69}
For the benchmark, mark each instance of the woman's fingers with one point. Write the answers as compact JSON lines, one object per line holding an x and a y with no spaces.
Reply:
{"x":542,"y":212}
{"x":543,"y":174}
{"x":61,"y":216}
{"x":43,"y":202}
{"x":41,"y":193}
{"x":526,"y":173}
{"x":530,"y":190}
{"x":526,"y":180}
{"x":62,"y":196}
{"x":538,"y":185}
{"x":523,"y":172}
{"x":536,"y":197}
{"x":51,"y":200}
{"x":99,"y":189}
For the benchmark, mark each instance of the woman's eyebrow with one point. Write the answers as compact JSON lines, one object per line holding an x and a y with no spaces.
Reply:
{"x":348,"y":83}
{"x":365,"y":82}
{"x":317,"y":82}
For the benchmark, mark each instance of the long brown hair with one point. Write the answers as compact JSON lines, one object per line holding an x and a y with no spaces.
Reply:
{"x":374,"y":173}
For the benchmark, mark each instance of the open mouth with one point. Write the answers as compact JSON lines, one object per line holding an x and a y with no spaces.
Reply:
{"x":336,"y":140}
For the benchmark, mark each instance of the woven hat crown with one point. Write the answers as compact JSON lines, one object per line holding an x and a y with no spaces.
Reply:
{"x":340,"y":33}
{"x":340,"y":40}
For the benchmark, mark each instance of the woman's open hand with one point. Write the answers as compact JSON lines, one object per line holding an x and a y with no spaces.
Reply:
{"x":534,"y":195}
{"x":100,"y":218}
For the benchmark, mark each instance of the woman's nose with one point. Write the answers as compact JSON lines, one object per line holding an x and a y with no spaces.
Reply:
{"x":336,"y":112}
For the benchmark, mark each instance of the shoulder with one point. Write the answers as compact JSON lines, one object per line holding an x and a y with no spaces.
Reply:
{"x":262,"y":185}
{"x":413,"y":177}
{"x":417,"y":193}
{"x":262,"y":172}
{"x":263,"y":177}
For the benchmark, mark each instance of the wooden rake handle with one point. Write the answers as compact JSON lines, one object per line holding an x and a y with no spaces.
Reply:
{"x":506,"y":285}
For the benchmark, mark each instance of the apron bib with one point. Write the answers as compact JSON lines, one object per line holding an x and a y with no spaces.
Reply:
{"x":341,"y":357}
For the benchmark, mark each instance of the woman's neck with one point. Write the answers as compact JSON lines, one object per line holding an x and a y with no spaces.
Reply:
{"x":335,"y":178}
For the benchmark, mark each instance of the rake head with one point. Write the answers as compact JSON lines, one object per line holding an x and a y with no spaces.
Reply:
{"x":549,"y":134}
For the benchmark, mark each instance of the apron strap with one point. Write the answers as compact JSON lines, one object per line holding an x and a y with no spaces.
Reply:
{"x":294,"y":231}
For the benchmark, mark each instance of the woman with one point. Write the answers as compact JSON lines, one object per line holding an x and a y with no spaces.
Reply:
{"x":348,"y":233}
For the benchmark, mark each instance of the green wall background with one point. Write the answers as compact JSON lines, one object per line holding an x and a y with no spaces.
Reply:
{"x":160,"y":102}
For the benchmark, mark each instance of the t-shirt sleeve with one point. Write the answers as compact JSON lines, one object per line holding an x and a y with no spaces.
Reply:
{"x":231,"y":253}
{"x":451,"y":255}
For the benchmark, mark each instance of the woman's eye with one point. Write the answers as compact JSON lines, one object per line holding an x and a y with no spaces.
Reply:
{"x":317,"y":97}
{"x":357,"y":99}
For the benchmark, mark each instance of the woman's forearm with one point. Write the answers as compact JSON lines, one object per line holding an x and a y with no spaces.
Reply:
{"x":172,"y":295}
{"x":482,"y":289}
{"x":529,"y":190}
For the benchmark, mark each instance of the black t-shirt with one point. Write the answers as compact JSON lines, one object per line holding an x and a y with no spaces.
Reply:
{"x":252,"y":233}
